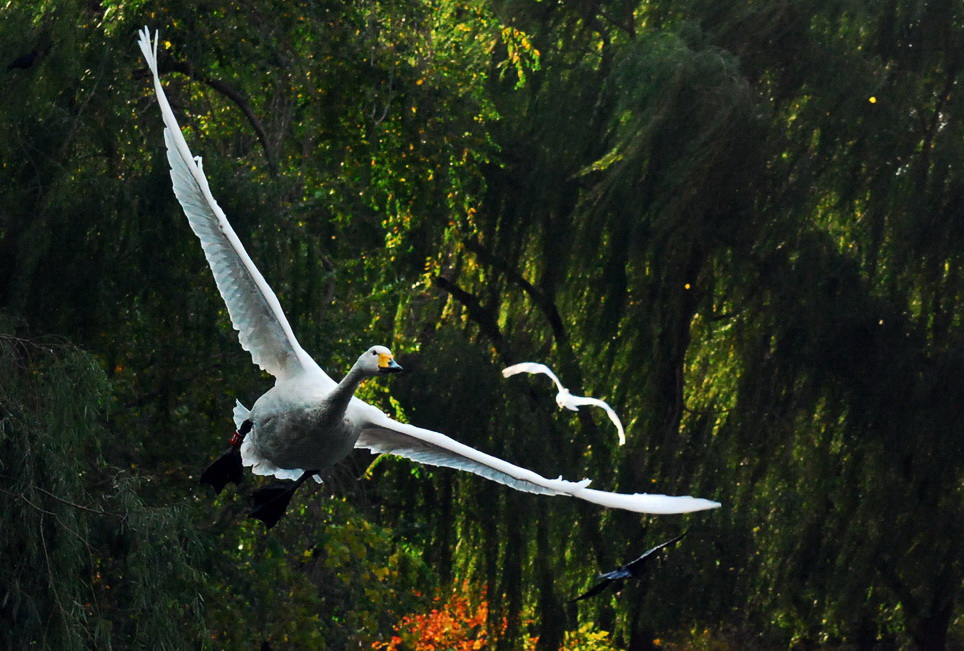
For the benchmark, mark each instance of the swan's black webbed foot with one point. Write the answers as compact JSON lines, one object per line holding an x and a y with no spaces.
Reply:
{"x":271,"y":502}
{"x":227,"y":467}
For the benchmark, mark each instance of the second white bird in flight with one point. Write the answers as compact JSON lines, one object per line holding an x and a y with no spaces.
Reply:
{"x":564,"y":399}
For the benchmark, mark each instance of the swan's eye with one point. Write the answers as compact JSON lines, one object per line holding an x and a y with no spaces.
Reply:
{"x":374,"y":353}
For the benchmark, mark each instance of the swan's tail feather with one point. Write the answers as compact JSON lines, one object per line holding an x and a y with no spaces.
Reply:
{"x":240,"y":413}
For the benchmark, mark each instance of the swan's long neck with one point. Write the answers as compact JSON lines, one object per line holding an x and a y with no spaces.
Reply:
{"x":339,"y":398}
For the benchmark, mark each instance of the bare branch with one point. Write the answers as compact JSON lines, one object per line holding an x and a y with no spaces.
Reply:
{"x":546,"y":305}
{"x":188,"y":70}
{"x":483,"y":316}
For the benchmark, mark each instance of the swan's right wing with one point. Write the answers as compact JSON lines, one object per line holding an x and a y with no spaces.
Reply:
{"x":253,"y":307}
{"x":384,"y":435}
{"x":532,"y":367}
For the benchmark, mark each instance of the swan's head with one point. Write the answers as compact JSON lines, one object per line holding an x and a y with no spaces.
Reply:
{"x":378,"y":360}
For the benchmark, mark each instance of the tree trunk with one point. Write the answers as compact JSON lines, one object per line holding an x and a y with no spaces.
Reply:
{"x":930,"y":632}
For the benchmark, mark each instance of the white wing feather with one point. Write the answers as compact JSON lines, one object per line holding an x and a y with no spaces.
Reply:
{"x":253,"y":307}
{"x":384,"y":435}
{"x":579,"y":401}
{"x":532,"y":367}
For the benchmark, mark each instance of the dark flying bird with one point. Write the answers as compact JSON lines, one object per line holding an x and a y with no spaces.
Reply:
{"x":31,"y":58}
{"x":632,"y":569}
{"x":24,"y":61}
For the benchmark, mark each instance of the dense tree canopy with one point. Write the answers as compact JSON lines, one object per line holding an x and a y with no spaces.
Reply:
{"x":740,"y":223}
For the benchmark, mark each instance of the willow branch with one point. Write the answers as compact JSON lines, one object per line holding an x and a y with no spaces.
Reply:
{"x":189,"y":71}
{"x":546,"y":305}
{"x":483,"y":316}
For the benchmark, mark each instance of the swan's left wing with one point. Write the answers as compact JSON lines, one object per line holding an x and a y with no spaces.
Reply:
{"x":384,"y":435}
{"x":255,"y":311}
{"x":578,"y":401}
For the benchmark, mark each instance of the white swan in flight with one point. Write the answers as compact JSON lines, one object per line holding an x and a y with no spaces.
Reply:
{"x":307,"y":422}
{"x":564,"y":399}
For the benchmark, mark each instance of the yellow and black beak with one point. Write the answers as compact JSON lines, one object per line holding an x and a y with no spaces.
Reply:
{"x":387,"y":364}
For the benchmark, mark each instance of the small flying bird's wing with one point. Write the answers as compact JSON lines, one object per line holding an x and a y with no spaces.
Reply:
{"x":634,"y":567}
{"x":384,"y":435}
{"x":631,"y":569}
{"x":253,"y":307}
{"x":532,"y":367}
{"x":593,"y":591}
{"x":579,"y":401}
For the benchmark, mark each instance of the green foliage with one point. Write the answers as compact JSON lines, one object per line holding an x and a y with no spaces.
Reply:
{"x":328,"y":579}
{"x":588,"y":637}
{"x":730,"y":239}
{"x":85,"y":561}
{"x":739,"y":223}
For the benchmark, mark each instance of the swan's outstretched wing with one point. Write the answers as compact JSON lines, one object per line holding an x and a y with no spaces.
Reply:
{"x":254,"y":309}
{"x":579,"y":401}
{"x":382,"y":434}
{"x":532,"y":367}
